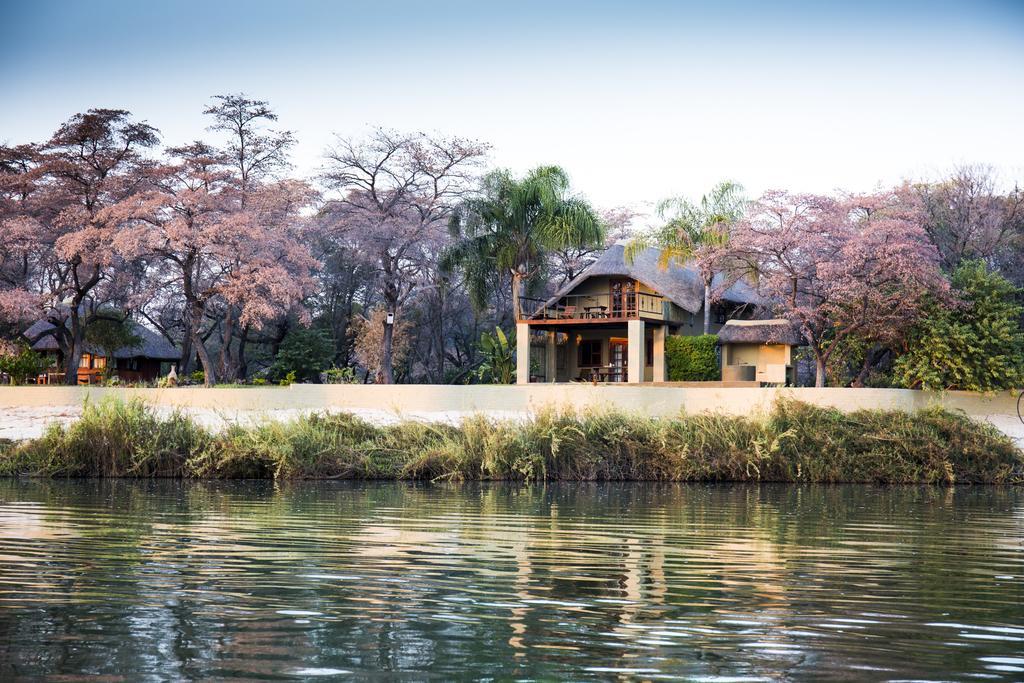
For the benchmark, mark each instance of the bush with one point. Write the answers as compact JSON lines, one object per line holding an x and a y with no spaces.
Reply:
{"x":975,"y":346}
{"x":339,"y":376}
{"x":499,"y":358}
{"x":692,"y":359}
{"x":20,"y":362}
{"x":303,"y":355}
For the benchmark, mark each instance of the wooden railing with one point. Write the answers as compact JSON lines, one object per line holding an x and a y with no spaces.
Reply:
{"x":597,"y":307}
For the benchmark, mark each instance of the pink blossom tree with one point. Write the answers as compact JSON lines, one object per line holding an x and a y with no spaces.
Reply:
{"x":68,"y":270}
{"x":200,"y":242}
{"x":837,"y":267}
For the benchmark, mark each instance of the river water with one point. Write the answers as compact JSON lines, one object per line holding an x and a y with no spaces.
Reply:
{"x":140,"y":581}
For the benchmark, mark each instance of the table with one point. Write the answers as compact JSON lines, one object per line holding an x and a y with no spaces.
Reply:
{"x":596,"y":311}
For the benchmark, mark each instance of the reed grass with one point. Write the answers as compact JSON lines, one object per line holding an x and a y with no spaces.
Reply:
{"x":795,"y":442}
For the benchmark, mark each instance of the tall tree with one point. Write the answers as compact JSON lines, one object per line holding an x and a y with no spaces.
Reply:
{"x":967,"y":217}
{"x":840,"y":266}
{"x":93,"y":161}
{"x":513,"y":225}
{"x":21,"y":231}
{"x":254,"y":261}
{"x":253,"y":154}
{"x":697,"y":231}
{"x":395,"y":192}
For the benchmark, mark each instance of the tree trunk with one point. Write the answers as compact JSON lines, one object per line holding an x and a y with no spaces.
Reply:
{"x":74,"y":357}
{"x":707,"y":308}
{"x":819,"y":370}
{"x":387,"y":371}
{"x":226,"y":335}
{"x":517,"y":287}
{"x":243,"y":362}
{"x":209,"y":375}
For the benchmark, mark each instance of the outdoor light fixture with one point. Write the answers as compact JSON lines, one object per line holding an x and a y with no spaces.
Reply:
{"x":390,"y":320}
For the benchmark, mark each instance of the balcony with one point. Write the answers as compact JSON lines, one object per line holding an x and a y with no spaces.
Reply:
{"x":592,"y":308}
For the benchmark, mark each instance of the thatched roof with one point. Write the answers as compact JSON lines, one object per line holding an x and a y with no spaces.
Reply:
{"x":774,"y":331}
{"x":682,"y":285}
{"x":152,"y":345}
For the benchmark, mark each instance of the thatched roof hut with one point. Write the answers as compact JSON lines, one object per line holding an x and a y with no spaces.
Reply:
{"x":151,"y":344}
{"x":680,"y":284}
{"x":773,"y":331}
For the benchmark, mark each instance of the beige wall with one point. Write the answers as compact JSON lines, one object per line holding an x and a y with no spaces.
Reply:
{"x":662,"y":400}
{"x":758,"y":355}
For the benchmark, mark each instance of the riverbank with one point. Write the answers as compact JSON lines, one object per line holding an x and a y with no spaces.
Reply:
{"x":793,"y":442}
{"x":26,"y":411}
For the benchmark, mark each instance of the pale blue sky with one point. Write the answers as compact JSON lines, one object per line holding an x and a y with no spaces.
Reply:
{"x":638,"y":100}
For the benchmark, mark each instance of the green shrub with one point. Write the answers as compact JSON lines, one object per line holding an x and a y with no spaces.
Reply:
{"x":499,"y":358}
{"x":975,"y":346}
{"x":20,"y":362}
{"x":692,"y":359}
{"x":304,"y":354}
{"x":340,"y":376}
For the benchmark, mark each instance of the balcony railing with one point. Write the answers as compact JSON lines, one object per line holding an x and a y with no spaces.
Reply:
{"x":594,"y":307}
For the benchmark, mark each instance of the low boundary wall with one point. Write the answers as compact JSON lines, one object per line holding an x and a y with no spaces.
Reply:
{"x":419,"y":398}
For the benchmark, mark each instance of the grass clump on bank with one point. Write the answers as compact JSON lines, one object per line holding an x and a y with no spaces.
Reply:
{"x":796,"y":442}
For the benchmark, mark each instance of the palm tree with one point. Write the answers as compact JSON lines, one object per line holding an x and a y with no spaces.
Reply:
{"x":697,"y":231}
{"x":512,"y":225}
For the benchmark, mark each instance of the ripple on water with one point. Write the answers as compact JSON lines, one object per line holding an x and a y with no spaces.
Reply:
{"x":159,"y":580}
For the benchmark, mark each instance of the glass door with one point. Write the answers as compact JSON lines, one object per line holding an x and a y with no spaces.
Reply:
{"x":619,"y":357}
{"x":623,"y":298}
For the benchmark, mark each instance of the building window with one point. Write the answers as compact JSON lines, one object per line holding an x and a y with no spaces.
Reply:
{"x":649,"y":352}
{"x":590,"y":353}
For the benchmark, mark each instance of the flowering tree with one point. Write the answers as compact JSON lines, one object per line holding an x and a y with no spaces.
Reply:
{"x":840,"y":266}
{"x":67,"y":267}
{"x":394,"y":195}
{"x":20,"y":231}
{"x":200,"y":242}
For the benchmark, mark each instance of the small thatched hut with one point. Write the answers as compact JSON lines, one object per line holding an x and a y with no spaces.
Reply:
{"x":758,"y":350}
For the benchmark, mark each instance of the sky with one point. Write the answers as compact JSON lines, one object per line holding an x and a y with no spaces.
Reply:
{"x":636,"y":100}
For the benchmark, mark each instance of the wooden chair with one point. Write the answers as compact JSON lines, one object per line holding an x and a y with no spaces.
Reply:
{"x":568,"y":312}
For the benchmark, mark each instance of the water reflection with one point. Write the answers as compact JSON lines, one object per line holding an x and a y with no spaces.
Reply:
{"x":167,"y":580}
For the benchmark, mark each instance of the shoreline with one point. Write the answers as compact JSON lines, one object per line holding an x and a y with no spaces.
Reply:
{"x":794,"y":442}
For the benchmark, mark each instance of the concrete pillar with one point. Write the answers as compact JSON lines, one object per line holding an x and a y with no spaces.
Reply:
{"x":571,"y":357}
{"x":522,"y":353}
{"x":660,"y":368}
{"x":635,"y":351}
{"x":550,"y":357}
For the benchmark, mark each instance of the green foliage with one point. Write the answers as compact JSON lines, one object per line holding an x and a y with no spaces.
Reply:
{"x":692,"y":359}
{"x":499,"y":362}
{"x":20,"y":362}
{"x":197,"y":377}
{"x":110,"y":333}
{"x":287,"y":380}
{"x":340,"y":376}
{"x":693,"y":226}
{"x":304,"y":353}
{"x":796,"y":442}
{"x":259,"y":382}
{"x":975,"y":346}
{"x":513,"y":223}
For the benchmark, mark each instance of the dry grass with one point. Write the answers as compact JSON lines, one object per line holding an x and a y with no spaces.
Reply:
{"x":796,"y":442}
